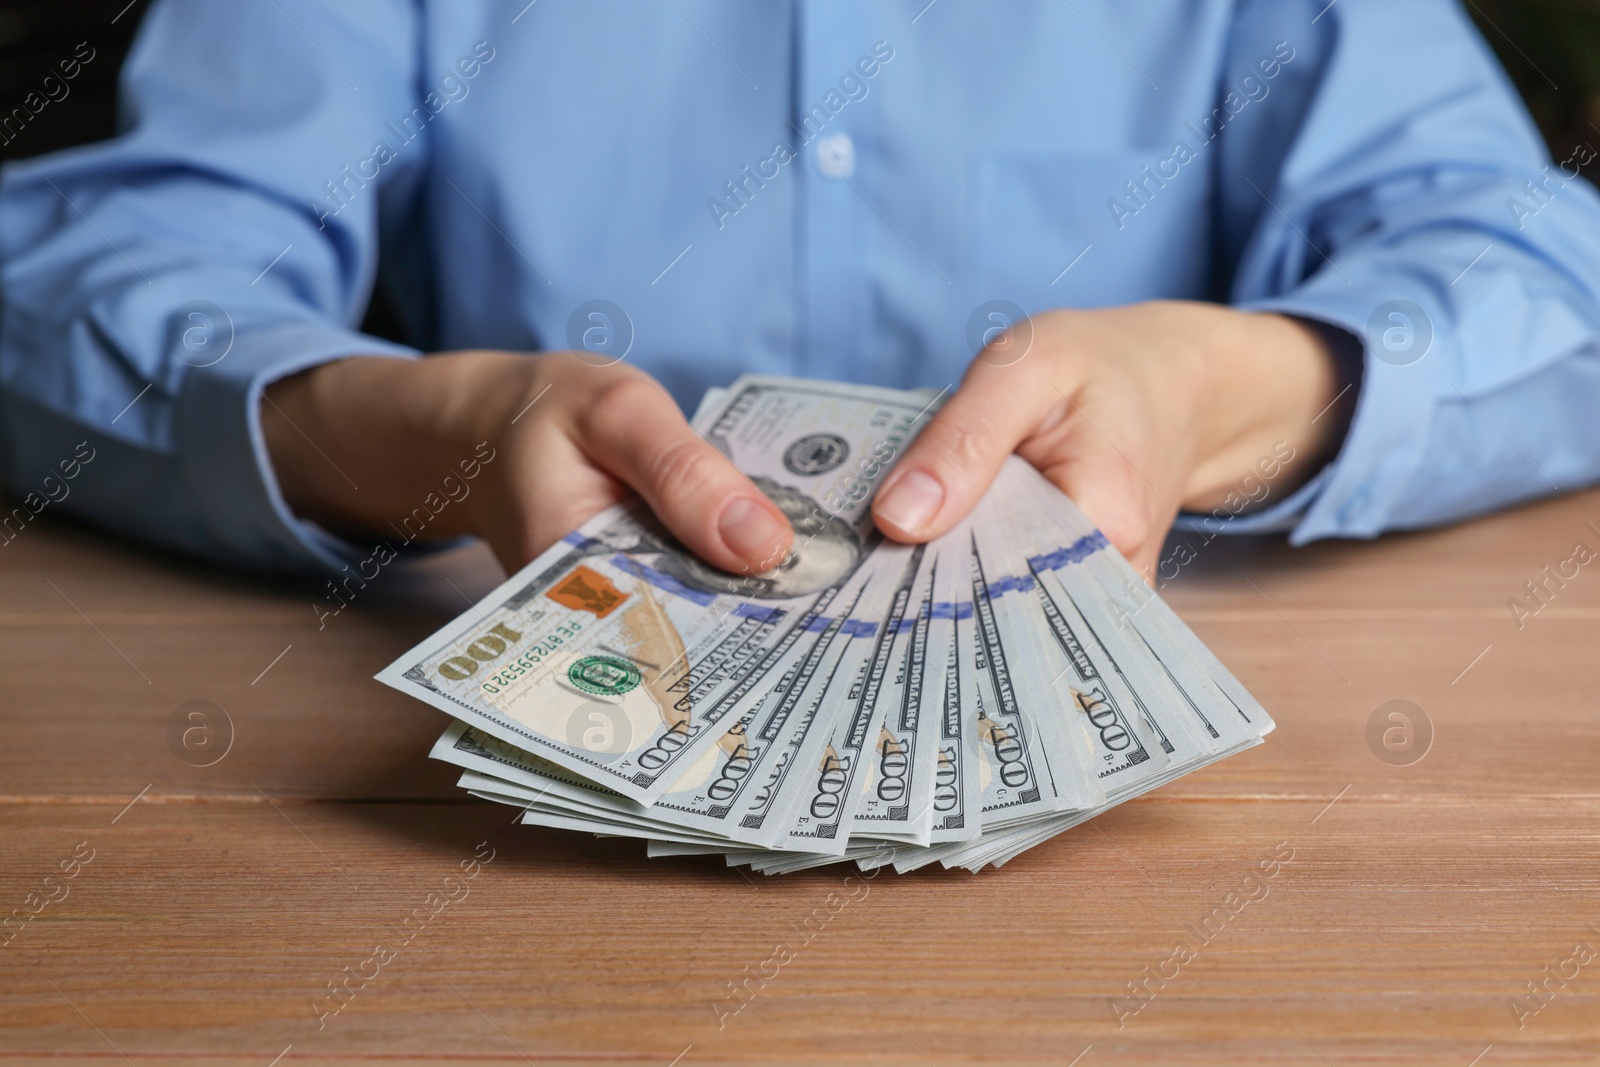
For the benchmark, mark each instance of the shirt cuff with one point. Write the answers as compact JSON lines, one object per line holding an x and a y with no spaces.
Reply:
{"x":224,"y":455}
{"x":1382,"y":449}
{"x":1275,"y":518}
{"x":1235,"y":515}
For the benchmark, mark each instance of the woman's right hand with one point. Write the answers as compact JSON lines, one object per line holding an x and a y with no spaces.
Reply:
{"x":359,"y":443}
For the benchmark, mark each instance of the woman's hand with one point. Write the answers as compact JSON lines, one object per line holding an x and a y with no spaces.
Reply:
{"x":1133,"y":411}
{"x":357,"y":444}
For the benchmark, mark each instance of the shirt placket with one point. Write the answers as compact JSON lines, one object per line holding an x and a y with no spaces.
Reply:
{"x":831,"y":242}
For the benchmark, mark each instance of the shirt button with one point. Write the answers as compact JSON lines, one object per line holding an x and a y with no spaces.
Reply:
{"x":836,"y":156}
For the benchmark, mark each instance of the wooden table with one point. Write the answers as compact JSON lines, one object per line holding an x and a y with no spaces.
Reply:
{"x":221,"y":901}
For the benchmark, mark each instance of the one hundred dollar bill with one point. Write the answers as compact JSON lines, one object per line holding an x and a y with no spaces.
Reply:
{"x":956,"y":702}
{"x":619,"y":655}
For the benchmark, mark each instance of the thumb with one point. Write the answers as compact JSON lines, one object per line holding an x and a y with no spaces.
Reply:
{"x":949,"y":466}
{"x":636,"y":432}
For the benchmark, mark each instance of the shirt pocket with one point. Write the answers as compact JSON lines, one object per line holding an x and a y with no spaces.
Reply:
{"x":1067,"y":231}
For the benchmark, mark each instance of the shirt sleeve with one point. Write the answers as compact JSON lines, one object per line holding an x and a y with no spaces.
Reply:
{"x":151,"y":286}
{"x":1387,"y":182}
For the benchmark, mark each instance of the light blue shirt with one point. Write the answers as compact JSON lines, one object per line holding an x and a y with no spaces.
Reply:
{"x":828,"y":188}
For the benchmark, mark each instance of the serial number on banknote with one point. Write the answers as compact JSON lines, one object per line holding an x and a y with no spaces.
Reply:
{"x":493,"y":644}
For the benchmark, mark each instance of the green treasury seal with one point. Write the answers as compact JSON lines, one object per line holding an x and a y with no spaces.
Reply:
{"x":604,"y":676}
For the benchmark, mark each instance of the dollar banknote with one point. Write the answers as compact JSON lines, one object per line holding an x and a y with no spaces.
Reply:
{"x":954,"y":702}
{"x":618,"y":654}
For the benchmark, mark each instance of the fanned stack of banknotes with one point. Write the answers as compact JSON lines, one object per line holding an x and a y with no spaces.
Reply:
{"x":955,"y":702}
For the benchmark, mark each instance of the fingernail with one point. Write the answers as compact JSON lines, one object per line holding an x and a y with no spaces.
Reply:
{"x":751,"y":531}
{"x":912,"y":501}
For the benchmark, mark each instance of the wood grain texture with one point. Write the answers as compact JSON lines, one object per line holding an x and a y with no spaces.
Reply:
{"x":220,"y":904}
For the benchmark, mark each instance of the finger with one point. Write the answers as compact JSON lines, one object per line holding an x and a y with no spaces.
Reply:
{"x":1145,"y":561}
{"x":1116,"y":496}
{"x":955,"y":457}
{"x":635,"y":431}
{"x":550,"y":488}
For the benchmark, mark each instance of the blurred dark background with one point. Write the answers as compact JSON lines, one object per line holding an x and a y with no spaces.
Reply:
{"x":35,"y":37}
{"x":1551,"y":49}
